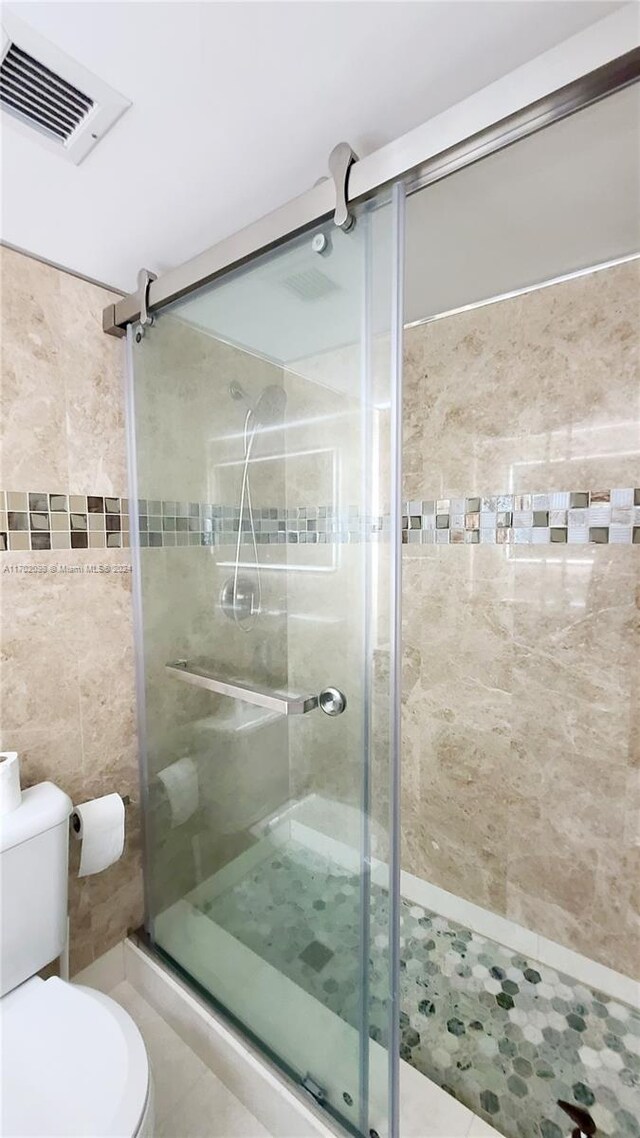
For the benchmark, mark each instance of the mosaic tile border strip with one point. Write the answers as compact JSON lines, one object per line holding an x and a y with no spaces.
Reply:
{"x":580,"y":517}
{"x":185,"y":523}
{"x":39,"y":522}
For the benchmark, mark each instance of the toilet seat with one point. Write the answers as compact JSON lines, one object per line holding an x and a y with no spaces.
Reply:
{"x":74,"y":1064}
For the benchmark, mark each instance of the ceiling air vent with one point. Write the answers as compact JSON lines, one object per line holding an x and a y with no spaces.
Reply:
{"x":311,"y":285}
{"x":51,"y":97}
{"x":36,"y":95}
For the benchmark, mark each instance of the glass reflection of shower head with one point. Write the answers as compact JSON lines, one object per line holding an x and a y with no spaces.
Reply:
{"x":270,"y":406}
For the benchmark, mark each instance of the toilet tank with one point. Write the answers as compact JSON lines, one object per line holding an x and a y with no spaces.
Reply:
{"x":34,"y":854}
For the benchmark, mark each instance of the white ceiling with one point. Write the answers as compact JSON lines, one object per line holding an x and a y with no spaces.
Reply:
{"x":235,"y":107}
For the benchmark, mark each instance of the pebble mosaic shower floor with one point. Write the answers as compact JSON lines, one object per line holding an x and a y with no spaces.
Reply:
{"x":506,"y":1036}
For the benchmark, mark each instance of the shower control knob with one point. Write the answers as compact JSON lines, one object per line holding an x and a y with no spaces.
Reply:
{"x":332,"y":701}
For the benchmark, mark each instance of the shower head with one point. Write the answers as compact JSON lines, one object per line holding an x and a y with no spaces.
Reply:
{"x":269,"y":410}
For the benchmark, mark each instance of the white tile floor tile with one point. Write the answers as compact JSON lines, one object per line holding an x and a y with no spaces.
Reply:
{"x":190,"y":1101}
{"x":481,"y":1129}
{"x":209,"y":1110}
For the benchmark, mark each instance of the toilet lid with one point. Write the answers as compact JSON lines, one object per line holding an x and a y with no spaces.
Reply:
{"x":73,"y":1064}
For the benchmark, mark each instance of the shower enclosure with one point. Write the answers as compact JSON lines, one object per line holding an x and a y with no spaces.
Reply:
{"x":481,"y":946}
{"x":266,"y":475}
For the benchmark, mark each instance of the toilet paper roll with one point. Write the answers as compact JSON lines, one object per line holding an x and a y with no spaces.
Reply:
{"x":99,"y":825}
{"x":10,"y":793}
{"x":180,"y":781}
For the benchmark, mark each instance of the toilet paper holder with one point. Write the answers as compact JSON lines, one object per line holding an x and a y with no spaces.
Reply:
{"x":75,"y":821}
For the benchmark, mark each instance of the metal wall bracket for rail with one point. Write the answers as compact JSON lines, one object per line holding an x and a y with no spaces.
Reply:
{"x":110,"y":322}
{"x":341,"y":160}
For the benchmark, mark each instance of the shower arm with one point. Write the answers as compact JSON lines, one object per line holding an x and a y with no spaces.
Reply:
{"x":330,"y":700}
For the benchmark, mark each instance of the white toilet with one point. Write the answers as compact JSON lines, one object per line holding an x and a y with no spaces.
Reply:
{"x":73,"y":1061}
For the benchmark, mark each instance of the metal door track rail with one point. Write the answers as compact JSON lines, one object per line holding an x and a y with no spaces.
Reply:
{"x":356,"y":180}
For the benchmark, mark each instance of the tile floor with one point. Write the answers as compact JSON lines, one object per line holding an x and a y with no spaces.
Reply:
{"x":190,"y":1101}
{"x":506,"y":1036}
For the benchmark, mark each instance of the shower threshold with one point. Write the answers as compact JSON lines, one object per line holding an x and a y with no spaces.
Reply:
{"x":505,"y":1036}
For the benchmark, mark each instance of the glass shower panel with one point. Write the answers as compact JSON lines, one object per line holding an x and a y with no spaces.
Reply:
{"x":262,"y":408}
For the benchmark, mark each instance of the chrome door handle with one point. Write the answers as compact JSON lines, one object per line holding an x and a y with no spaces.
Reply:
{"x":332,"y":701}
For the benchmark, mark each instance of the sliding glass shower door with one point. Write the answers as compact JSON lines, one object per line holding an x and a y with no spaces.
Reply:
{"x":262,"y":411}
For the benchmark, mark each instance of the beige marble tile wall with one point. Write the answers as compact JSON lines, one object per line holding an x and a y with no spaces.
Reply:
{"x":326,"y":593}
{"x":67,"y":647}
{"x":521,"y":736}
{"x":323,"y":618}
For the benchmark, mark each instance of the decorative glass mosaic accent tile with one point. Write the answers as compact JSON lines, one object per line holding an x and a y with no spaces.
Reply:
{"x":578,"y":517}
{"x":90,"y":521}
{"x":503,"y":1034}
{"x":39,"y":522}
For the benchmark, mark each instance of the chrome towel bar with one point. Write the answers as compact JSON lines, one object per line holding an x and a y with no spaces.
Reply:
{"x":192,"y":673}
